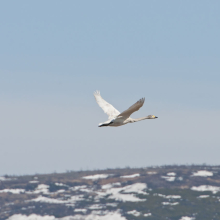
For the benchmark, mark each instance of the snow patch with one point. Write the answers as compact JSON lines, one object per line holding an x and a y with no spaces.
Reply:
{"x":203,"y":196}
{"x":47,"y":200}
{"x":60,"y":184}
{"x":126,"y":198}
{"x":2,"y":178}
{"x":13,"y":191}
{"x":131,"y":176}
{"x":75,"y":188}
{"x":86,"y":190}
{"x":41,"y":188}
{"x":169,"y":178}
{"x":168,"y":197}
{"x":58,"y":191}
{"x":43,"y":199}
{"x":93,"y":216}
{"x":112,"y":204}
{"x":203,"y":173}
{"x":187,"y":218}
{"x":31,"y":217}
{"x":134,"y":213}
{"x":34,"y":181}
{"x":202,"y":188}
{"x":169,"y":203}
{"x":171,"y":174}
{"x":96,"y":206}
{"x":96,"y":176}
{"x":147,"y":214}
{"x":173,"y":197}
{"x":151,"y":172}
{"x":80,"y":210}
{"x":116,"y":193}
{"x":136,"y":188}
{"x":110,"y":185}
{"x":105,"y":216}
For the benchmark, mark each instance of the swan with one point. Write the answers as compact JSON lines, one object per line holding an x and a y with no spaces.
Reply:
{"x":115,"y":118}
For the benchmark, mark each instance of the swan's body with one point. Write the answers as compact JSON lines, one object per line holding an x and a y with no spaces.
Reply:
{"x":116,"y":118}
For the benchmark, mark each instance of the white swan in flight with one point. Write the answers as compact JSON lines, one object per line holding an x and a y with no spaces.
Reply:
{"x":116,"y":118}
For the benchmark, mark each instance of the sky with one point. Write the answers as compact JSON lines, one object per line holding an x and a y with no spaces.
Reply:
{"x":55,"y":54}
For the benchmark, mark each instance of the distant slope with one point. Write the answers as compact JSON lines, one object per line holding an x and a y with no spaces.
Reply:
{"x":154,"y":193}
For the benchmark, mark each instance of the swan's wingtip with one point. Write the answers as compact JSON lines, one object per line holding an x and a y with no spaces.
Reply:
{"x":97,"y":92}
{"x":141,"y":100}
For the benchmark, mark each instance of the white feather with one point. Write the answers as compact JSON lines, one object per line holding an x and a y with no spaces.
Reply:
{"x":106,"y":107}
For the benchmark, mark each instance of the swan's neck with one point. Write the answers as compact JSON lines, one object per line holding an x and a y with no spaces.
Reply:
{"x":140,"y":119}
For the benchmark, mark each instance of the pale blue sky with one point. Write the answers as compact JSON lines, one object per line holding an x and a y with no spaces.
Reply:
{"x":55,"y":54}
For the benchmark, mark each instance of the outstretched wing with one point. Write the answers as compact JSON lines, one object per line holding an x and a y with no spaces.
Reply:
{"x":107,"y":108}
{"x":126,"y":114}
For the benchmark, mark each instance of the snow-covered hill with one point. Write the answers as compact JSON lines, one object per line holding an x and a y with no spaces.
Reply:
{"x":169,"y":192}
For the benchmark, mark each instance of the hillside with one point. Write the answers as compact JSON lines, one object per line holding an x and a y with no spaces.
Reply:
{"x":152,"y":193}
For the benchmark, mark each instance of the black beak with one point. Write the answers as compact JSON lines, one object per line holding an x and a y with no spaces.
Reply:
{"x":156,"y":117}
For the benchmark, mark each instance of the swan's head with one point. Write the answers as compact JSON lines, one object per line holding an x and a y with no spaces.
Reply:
{"x":152,"y":116}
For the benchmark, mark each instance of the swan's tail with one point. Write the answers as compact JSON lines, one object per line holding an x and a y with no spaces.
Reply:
{"x":105,"y":124}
